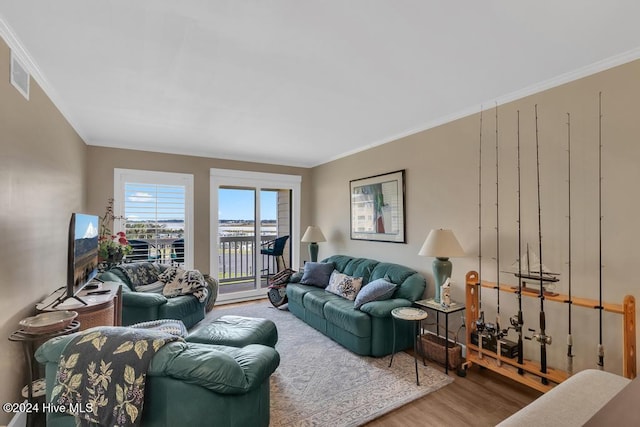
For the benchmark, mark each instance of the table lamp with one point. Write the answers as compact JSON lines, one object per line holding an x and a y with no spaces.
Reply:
{"x":312,"y":236}
{"x":441,"y":244}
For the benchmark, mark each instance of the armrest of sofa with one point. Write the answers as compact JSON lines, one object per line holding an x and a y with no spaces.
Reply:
{"x":572,"y":402}
{"x":222,"y":369}
{"x":51,"y":350}
{"x":383,"y":308}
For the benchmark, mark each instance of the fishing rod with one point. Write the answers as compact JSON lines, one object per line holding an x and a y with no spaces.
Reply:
{"x":480,"y":324}
{"x":498,"y":331}
{"x":541,"y":336}
{"x":517,"y":321}
{"x":570,"y":301}
{"x":600,"y":346}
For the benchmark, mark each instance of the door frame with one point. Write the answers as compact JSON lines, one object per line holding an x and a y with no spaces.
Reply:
{"x":257,"y":181}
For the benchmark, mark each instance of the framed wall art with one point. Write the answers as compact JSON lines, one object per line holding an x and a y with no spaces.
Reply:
{"x":377,"y":208}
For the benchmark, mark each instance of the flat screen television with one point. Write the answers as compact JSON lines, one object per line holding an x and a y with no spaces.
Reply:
{"x":83,"y":253}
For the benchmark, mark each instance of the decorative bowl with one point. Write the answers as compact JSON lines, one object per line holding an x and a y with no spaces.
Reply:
{"x":48,"y":322}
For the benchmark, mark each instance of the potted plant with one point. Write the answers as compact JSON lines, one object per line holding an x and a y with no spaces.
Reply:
{"x":111,"y":247}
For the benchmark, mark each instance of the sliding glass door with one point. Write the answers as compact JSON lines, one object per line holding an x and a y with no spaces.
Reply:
{"x":252,"y":221}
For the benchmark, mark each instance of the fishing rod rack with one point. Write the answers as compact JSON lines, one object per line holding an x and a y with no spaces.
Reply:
{"x":531,"y":375}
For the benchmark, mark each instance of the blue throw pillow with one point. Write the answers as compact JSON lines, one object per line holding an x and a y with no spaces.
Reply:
{"x":378,"y":290}
{"x":317,"y":274}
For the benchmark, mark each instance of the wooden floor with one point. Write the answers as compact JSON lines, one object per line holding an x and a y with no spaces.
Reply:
{"x":482,"y":398}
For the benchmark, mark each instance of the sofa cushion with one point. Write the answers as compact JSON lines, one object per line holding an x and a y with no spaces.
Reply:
{"x":317,"y":274}
{"x":343,"y":285}
{"x":236,"y":331}
{"x":412,"y":284}
{"x":155,"y":287}
{"x":315,"y":301}
{"x":378,"y":290}
{"x":340,"y":312}
{"x":297,"y":291}
{"x":360,"y":267}
{"x":139,"y":273}
{"x":223,"y":369}
{"x":357,"y":267}
{"x":339,"y":261}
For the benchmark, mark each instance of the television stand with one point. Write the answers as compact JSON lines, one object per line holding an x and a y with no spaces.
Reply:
{"x":94,"y":309}
{"x":65,"y":298}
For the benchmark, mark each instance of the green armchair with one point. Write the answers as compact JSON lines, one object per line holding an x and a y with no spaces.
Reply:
{"x":191,"y":384}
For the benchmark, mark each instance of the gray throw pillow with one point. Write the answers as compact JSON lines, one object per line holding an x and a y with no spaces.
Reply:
{"x":317,"y":274}
{"x":378,"y":290}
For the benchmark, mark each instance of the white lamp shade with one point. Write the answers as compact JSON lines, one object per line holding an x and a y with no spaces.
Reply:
{"x":441,"y":244}
{"x":313,"y":234}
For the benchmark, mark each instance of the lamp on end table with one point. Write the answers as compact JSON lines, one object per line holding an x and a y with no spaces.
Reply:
{"x":312,"y":236}
{"x":441,"y":244}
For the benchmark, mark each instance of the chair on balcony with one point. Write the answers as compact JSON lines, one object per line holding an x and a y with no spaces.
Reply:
{"x":177,"y":251}
{"x":274,"y":248}
{"x":141,"y":251}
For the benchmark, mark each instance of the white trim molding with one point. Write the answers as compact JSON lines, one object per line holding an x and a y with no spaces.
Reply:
{"x":256,"y":181}
{"x":122,"y":176}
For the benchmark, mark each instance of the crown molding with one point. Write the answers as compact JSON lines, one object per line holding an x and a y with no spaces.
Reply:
{"x":589,"y":70}
{"x":18,"y":49}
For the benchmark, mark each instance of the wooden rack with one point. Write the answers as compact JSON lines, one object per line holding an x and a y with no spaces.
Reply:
{"x":532,"y":375}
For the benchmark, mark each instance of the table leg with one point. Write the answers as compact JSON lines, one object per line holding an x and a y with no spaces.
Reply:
{"x":446,"y":343}
{"x":393,"y":349}
{"x":415,"y":349}
{"x":421,"y":344}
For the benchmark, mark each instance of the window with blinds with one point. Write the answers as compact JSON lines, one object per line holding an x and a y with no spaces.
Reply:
{"x":155,"y":214}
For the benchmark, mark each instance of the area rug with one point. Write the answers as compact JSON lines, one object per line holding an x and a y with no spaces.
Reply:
{"x":320,"y":383}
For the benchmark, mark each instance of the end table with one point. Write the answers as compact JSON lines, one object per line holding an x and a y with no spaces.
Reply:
{"x":410,"y":314}
{"x":438,"y":307}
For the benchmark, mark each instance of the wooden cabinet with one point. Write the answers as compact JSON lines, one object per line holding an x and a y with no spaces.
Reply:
{"x":101,"y":309}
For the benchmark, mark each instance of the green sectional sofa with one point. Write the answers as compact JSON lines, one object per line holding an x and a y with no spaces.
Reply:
{"x":368,"y":330}
{"x":191,"y":384}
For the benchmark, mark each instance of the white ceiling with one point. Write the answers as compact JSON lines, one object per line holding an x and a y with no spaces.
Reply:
{"x":301,"y":82}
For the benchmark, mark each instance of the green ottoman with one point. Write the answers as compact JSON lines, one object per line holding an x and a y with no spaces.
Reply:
{"x":236,"y":331}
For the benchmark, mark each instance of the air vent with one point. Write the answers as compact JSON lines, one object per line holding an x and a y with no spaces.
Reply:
{"x":19,"y":76}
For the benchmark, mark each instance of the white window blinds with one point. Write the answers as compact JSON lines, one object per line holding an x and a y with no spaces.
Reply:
{"x":156,"y":208}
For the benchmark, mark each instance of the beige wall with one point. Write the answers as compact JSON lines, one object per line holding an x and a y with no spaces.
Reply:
{"x":42,"y":181}
{"x":442,"y":192}
{"x":102,"y":161}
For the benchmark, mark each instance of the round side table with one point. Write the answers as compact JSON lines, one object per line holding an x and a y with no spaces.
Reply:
{"x":30,"y":340}
{"x":416,"y":316}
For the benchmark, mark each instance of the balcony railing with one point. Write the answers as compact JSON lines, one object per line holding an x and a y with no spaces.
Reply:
{"x":235,"y":256}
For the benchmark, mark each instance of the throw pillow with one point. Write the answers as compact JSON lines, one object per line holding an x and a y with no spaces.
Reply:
{"x":139,"y":273}
{"x":185,"y":282}
{"x":343,"y":285}
{"x":169,"y":274}
{"x":317,"y":274}
{"x":378,"y":290}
